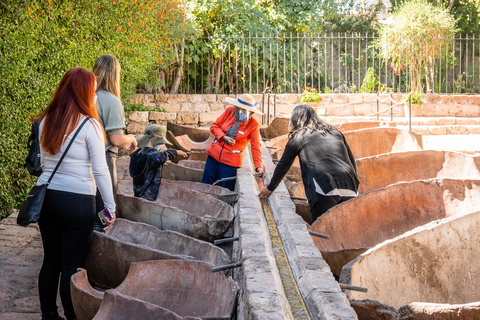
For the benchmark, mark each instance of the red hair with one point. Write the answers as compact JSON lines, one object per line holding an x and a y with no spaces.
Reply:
{"x":73,"y":98}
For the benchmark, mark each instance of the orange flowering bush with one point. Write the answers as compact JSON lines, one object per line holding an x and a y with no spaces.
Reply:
{"x":310,"y":95}
{"x":41,"y":39}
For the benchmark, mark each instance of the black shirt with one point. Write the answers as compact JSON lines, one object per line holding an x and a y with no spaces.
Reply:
{"x":325,"y":158}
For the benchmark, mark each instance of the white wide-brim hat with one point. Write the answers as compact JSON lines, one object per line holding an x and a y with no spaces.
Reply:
{"x":244,"y":101}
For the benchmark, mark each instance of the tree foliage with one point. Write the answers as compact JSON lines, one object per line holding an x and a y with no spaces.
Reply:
{"x":41,"y":39}
{"x":419,"y":34}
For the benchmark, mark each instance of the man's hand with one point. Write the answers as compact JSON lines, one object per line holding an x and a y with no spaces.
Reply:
{"x":133,"y":146}
{"x":228,"y":140}
{"x":265,"y":193}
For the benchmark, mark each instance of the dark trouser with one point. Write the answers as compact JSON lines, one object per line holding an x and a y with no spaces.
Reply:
{"x":215,"y":170}
{"x":324,"y":203}
{"x":99,"y":206}
{"x":66,"y":226}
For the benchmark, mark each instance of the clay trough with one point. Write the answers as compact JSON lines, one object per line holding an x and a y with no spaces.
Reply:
{"x":186,"y":288}
{"x":176,"y":208}
{"x":184,"y":143}
{"x":427,"y":273}
{"x":278,"y":127}
{"x":375,"y":141}
{"x":195,"y":134}
{"x":127,"y":241}
{"x":382,"y":214}
{"x":383,"y":170}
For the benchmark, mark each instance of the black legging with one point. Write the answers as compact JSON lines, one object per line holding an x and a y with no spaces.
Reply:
{"x":324,"y":203}
{"x":66,"y":226}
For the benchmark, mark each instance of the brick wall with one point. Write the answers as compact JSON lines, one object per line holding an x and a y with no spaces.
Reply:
{"x":202,"y":110}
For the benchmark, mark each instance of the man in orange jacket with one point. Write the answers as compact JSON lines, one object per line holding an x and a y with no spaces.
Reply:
{"x":233,"y":130}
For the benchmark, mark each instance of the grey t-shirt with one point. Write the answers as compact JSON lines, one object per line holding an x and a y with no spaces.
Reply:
{"x":111,"y":116}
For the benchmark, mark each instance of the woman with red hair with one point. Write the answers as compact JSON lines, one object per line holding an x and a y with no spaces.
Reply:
{"x":66,"y":222}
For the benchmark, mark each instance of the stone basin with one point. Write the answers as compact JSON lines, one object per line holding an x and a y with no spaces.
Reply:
{"x":375,"y":141}
{"x":278,"y":127}
{"x":187,"y":288}
{"x":184,"y":143}
{"x":195,"y":134}
{"x":357,"y":125}
{"x":382,"y":214}
{"x":174,"y":171}
{"x":177,"y":208}
{"x":382,"y":170}
{"x":126,"y":241}
{"x":426,"y":273}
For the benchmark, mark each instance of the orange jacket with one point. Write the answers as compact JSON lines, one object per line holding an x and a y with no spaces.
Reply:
{"x":233,"y":155}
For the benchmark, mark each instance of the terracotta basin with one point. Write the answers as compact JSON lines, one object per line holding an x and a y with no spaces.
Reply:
{"x":357,"y":125}
{"x":193,"y":164}
{"x":195,"y":134}
{"x":126,"y":241}
{"x":383,"y":214}
{"x":383,"y":170}
{"x":187,"y":288}
{"x":375,"y":141}
{"x":426,"y":273}
{"x":176,"y":208}
{"x":271,"y":142}
{"x":278,"y":127}
{"x":184,"y":143}
{"x":198,"y":155}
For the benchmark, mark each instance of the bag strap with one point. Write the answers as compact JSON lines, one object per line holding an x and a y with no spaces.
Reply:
{"x":65,"y":152}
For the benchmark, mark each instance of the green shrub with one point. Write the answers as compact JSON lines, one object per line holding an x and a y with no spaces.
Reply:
{"x":370,"y":82}
{"x":40,"y":40}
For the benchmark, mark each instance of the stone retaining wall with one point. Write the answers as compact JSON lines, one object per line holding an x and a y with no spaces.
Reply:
{"x":202,"y":110}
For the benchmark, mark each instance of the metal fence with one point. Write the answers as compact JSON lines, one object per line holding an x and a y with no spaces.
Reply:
{"x":332,"y":63}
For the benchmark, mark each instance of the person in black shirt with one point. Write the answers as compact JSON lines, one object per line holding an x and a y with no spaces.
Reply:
{"x":328,"y":167}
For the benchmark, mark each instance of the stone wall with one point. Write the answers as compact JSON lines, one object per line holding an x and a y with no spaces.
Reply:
{"x":202,"y":110}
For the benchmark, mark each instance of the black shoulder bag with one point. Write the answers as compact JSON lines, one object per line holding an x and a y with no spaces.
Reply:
{"x":32,"y":205}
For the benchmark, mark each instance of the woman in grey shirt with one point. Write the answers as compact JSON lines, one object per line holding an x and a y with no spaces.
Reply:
{"x":112,"y":117}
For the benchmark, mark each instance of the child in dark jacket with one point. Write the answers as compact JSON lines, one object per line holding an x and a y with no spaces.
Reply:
{"x":146,"y":163}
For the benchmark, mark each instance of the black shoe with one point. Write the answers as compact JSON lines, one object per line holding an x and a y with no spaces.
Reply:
{"x":51,"y":316}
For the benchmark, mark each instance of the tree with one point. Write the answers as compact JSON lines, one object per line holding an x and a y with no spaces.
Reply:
{"x":40,"y":40}
{"x":419,"y":34}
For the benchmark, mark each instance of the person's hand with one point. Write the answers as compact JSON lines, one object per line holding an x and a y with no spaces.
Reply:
{"x":181,"y":153}
{"x":133,"y":145}
{"x":265,"y":193}
{"x":259,"y":172}
{"x":228,"y":140}
{"x":110,"y":222}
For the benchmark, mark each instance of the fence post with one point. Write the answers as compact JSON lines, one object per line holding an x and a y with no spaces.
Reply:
{"x":391,"y":106}
{"x":263,"y":108}
{"x":274,"y":106}
{"x":410,"y":113}
{"x":268,"y":109}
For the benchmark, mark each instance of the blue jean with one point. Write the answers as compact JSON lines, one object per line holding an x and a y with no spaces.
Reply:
{"x":215,"y":170}
{"x":66,"y":227}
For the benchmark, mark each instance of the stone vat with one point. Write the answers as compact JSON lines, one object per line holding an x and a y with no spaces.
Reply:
{"x":270,"y":142}
{"x":187,"y":288}
{"x":278,"y":127}
{"x":426,"y":273}
{"x":184,"y":143}
{"x":176,"y":208}
{"x":198,"y":155}
{"x":174,"y":171}
{"x":382,"y":214}
{"x":195,"y":134}
{"x":127,"y":241}
{"x":357,"y":125}
{"x":380,"y":171}
{"x":375,"y":141}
